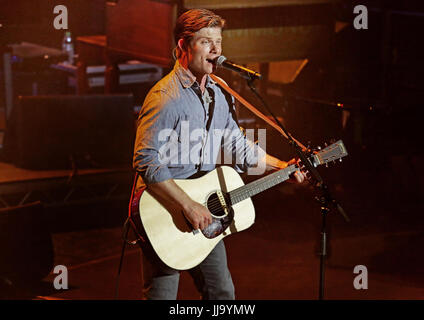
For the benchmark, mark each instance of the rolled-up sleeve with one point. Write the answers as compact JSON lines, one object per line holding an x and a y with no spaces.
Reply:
{"x":155,"y":115}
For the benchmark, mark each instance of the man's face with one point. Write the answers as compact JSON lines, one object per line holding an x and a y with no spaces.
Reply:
{"x":204,"y":46}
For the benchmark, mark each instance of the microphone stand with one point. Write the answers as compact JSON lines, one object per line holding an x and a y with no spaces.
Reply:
{"x":325,"y":199}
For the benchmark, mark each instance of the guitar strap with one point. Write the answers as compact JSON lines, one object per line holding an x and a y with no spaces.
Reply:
{"x":128,"y":222}
{"x":252,"y":108}
{"x":211,"y":108}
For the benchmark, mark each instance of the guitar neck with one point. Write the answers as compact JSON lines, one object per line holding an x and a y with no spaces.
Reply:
{"x":260,"y":185}
{"x":332,"y":152}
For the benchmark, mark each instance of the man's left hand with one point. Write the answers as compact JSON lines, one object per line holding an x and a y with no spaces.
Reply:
{"x":276,"y":164}
{"x":298,"y":176}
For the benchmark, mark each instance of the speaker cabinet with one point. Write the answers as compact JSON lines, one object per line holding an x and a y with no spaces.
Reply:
{"x":60,"y":132}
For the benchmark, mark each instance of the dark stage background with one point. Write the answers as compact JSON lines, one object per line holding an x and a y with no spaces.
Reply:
{"x":362,"y":86}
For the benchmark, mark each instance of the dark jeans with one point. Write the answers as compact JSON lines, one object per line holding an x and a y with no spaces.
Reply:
{"x":212,"y":277}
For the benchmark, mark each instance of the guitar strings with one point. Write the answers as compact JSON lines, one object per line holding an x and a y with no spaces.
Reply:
{"x":215,"y":204}
{"x":255,"y":187}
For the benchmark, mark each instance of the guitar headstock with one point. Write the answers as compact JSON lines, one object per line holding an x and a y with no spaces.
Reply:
{"x":333,"y":152}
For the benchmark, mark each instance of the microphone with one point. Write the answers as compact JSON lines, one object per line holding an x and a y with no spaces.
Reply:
{"x":248,"y":74}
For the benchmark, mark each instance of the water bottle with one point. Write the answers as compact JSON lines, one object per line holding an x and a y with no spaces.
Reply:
{"x":68,"y":47}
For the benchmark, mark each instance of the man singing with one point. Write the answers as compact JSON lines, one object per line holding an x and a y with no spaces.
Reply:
{"x":179,"y":102}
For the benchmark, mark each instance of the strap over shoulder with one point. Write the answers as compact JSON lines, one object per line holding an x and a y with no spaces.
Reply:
{"x":259,"y":114}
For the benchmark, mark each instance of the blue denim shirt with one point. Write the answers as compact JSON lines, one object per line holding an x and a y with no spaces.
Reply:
{"x":171,"y":140}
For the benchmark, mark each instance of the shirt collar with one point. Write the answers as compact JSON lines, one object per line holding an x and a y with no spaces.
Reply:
{"x":187,"y":78}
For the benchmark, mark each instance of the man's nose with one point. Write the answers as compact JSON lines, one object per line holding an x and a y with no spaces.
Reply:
{"x":215,"y":47}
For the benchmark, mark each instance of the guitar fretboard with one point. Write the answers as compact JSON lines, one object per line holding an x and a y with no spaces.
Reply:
{"x":262,"y":184}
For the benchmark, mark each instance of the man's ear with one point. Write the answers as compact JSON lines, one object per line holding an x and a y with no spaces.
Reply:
{"x":181,"y":44}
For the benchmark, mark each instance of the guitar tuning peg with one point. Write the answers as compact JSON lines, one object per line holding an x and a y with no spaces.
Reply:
{"x":319,"y":147}
{"x":326,"y":165}
{"x":340,"y":159}
{"x":325,"y":144}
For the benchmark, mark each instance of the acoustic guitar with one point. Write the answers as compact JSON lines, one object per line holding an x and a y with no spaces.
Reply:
{"x":228,"y":199}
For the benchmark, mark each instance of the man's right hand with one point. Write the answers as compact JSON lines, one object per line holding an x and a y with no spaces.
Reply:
{"x":169,"y":192}
{"x":198,"y":215}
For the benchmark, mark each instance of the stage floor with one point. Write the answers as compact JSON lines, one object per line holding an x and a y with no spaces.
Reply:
{"x":19,"y":186}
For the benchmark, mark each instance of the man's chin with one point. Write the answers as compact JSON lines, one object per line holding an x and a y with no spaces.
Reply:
{"x":211,"y":70}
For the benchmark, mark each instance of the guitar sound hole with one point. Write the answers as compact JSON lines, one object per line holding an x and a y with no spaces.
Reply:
{"x":214,"y":206}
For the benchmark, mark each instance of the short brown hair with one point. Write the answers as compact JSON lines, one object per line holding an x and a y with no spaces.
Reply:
{"x":192,"y":21}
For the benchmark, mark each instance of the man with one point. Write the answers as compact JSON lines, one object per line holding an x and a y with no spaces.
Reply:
{"x":184,"y":101}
